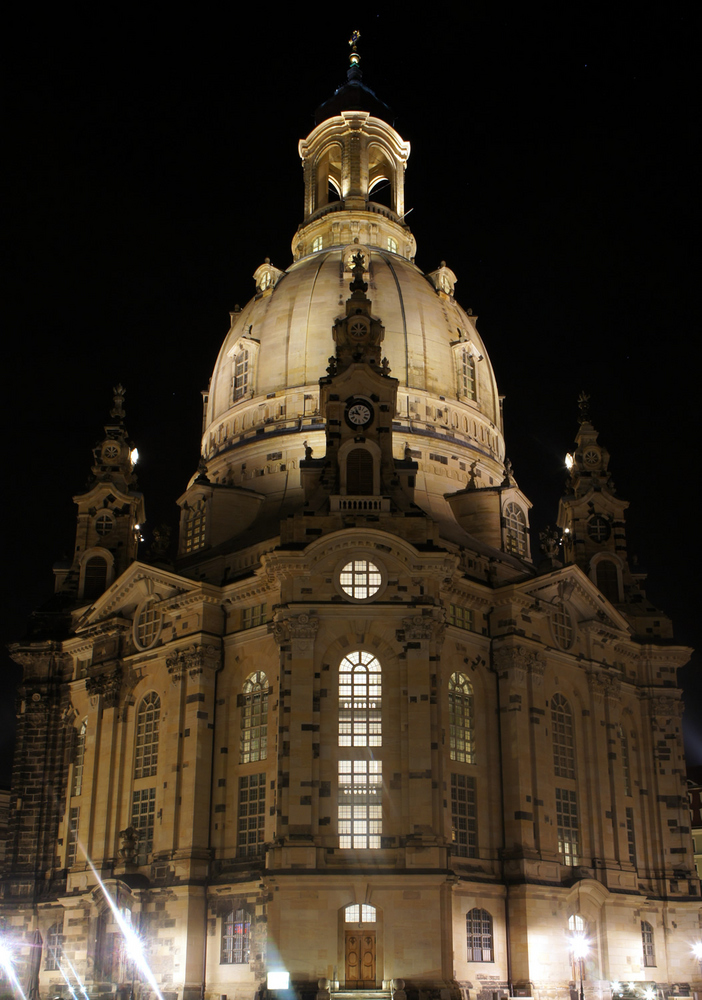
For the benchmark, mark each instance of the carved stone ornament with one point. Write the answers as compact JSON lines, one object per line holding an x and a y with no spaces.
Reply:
{"x":107,"y":684}
{"x":519,"y":661}
{"x":420,"y":627}
{"x":295,"y":627}
{"x":191,"y":660}
{"x":604,"y":685}
{"x":665,"y":707}
{"x":129,"y":844}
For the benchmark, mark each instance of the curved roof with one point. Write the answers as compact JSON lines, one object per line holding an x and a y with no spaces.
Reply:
{"x":293,"y":323}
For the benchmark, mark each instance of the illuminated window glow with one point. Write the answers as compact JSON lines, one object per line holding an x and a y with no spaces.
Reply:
{"x":252,"y":814}
{"x":568,"y":827}
{"x":148,"y":716}
{"x":143,"y":815}
{"x":360,"y":723}
{"x":360,"y":803}
{"x":359,"y":913}
{"x":195,"y":527}
{"x":236,"y":938}
{"x":562,"y":735}
{"x":460,"y":699}
{"x":79,"y":759}
{"x":562,"y":628}
{"x":360,"y":579}
{"x":254,"y":719}
{"x":460,"y":617}
{"x":515,"y":530}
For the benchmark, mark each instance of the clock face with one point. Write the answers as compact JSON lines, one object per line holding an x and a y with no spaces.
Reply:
{"x":591,"y":457}
{"x":359,"y":414}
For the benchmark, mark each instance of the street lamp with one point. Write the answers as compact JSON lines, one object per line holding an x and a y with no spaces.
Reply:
{"x":580,"y":950}
{"x":697,"y":952}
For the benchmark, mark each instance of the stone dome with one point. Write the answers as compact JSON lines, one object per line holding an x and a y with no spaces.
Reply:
{"x":262,"y":409}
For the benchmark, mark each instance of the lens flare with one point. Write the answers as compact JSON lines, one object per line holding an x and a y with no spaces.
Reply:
{"x":132,"y":940}
{"x":7,"y":963}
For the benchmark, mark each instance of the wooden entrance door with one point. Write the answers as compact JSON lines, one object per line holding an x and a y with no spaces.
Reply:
{"x":360,"y":959}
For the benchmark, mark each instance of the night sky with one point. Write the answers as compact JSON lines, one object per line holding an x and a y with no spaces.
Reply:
{"x":153,"y":166}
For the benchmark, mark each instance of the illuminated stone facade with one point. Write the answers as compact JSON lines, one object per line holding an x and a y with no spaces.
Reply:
{"x":358,"y":733}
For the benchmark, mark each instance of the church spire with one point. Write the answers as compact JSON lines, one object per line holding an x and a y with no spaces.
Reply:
{"x":110,"y":514}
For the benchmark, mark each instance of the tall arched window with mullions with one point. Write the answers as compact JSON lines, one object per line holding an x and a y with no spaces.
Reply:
{"x":562,"y":736}
{"x":254,"y":719}
{"x":148,"y":716}
{"x":460,"y":697}
{"x":360,"y":690}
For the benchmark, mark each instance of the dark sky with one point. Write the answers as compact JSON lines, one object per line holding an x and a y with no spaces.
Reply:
{"x":153,"y":166}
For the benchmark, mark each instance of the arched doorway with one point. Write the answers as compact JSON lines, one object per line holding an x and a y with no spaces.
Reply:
{"x":360,"y":946}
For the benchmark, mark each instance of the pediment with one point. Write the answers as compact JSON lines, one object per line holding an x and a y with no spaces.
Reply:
{"x":571,"y":586}
{"x":134,"y":586}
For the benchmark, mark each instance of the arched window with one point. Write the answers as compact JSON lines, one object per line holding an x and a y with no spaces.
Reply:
{"x":607,"y":579}
{"x":562,"y":735}
{"x":240,"y":382}
{"x":360,"y":723}
{"x":466,"y":374}
{"x":647,"y":943}
{"x":515,"y":530}
{"x":79,"y":759}
{"x":194,"y":527}
{"x":236,"y":938}
{"x":254,"y":719}
{"x":54,"y":947}
{"x":626,"y":764}
{"x":146,"y":761}
{"x":359,"y":913}
{"x":479,"y":936}
{"x":95,"y":579}
{"x":460,"y":696}
{"x":359,"y":473}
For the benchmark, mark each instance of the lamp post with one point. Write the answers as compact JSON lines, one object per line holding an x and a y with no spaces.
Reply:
{"x":580,"y":950}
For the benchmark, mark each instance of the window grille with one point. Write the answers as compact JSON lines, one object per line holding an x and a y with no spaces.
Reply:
{"x":72,"y":838}
{"x":568,"y":827}
{"x":241,"y":373}
{"x":79,"y":759}
{"x":236,"y":938}
{"x":252,"y":814}
{"x":464,"y":816}
{"x":562,"y":736}
{"x":254,"y":719}
{"x":143,"y":815}
{"x":460,"y":617}
{"x":360,"y":579}
{"x":647,"y":942}
{"x":360,"y":680}
{"x":631,"y":835}
{"x":146,"y":759}
{"x":460,"y":697}
{"x":626,"y":764}
{"x":360,"y":803}
{"x":479,"y":936}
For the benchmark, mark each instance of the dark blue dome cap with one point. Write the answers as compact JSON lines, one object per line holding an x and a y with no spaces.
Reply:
{"x":354,"y":95}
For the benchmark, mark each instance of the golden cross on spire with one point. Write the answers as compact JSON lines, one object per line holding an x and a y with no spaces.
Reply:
{"x":354,"y":58}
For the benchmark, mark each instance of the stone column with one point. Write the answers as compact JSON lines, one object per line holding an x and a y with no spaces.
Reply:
{"x":513,"y":664}
{"x":298,"y":733}
{"x":104,"y":689}
{"x":422,"y":636}
{"x":193,"y":670}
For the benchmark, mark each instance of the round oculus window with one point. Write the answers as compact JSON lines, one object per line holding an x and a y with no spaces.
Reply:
{"x":147,"y":626}
{"x":598,"y":528}
{"x":110,"y":452}
{"x":563,"y":628}
{"x":360,"y":579}
{"x":103,"y":524}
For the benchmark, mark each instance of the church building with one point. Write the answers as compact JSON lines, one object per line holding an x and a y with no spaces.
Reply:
{"x":359,"y":736}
